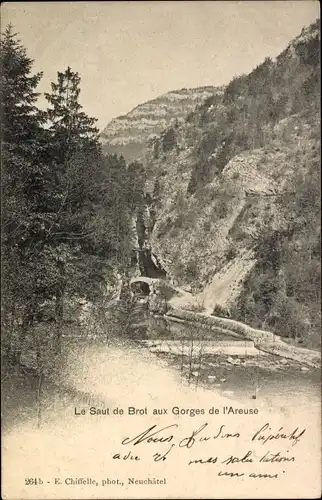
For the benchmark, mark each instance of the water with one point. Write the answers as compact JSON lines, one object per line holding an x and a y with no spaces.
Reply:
{"x":97,"y":373}
{"x":245,"y":372}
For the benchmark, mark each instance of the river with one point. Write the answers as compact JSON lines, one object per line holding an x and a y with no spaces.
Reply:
{"x":97,"y":372}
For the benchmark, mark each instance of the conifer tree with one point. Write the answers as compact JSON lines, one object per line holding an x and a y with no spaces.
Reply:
{"x":71,"y":129}
{"x":21,"y":144}
{"x":75,"y":197}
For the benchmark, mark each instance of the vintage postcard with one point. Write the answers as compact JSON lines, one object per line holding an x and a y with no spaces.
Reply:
{"x":161,"y":247}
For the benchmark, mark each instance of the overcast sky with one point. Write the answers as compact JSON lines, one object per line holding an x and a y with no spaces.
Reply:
{"x":129,"y":52}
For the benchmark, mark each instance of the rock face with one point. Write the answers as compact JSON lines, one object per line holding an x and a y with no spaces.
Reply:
{"x":227,"y":174}
{"x":129,"y":134}
{"x":227,"y":167}
{"x":216,"y":227}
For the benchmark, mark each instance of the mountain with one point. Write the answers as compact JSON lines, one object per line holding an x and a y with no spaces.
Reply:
{"x":128,"y":135}
{"x":232,"y":197}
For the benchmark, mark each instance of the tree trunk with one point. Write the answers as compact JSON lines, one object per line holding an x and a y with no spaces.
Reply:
{"x":59,"y":312}
{"x":59,"y":308}
{"x":39,"y":405}
{"x":26,"y":322}
{"x":18,"y":360}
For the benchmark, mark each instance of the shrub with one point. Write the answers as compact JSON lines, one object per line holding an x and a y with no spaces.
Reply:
{"x":169,"y":139}
{"x":222,"y":312}
{"x":198,"y":306}
{"x":192,"y":271}
{"x":231,"y":254}
{"x":220,"y":210}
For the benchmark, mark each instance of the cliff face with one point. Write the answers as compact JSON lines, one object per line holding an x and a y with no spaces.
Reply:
{"x":232,"y":189}
{"x":129,"y":134}
{"x":235,"y":190}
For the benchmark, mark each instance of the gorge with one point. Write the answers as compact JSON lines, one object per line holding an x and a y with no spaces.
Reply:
{"x":230,"y":204}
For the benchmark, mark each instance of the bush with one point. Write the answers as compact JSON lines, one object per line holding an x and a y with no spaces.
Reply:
{"x":220,"y":311}
{"x":169,"y":140}
{"x":192,"y":271}
{"x":198,"y":306}
{"x":220,"y":210}
{"x":231,"y":254}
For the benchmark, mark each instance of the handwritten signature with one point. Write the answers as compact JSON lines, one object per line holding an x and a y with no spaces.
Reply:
{"x":167,"y":435}
{"x":265,"y":434}
{"x":155,"y":435}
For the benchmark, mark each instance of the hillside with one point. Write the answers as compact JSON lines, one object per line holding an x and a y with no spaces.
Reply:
{"x":128,"y":135}
{"x":234,"y":201}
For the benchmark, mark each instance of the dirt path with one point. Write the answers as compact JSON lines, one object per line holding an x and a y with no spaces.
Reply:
{"x":223,"y":288}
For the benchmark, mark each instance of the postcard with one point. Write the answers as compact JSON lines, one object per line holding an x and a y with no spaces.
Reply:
{"x":161,"y":258}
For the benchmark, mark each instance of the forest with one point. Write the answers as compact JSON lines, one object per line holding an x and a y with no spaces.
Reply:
{"x":66,"y":208}
{"x":70,"y":213}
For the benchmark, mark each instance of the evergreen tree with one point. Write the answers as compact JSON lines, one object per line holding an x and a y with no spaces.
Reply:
{"x":88,"y":198}
{"x":74,"y":195}
{"x":67,"y":210}
{"x":21,"y":146}
{"x":71,"y":129}
{"x":18,"y":97}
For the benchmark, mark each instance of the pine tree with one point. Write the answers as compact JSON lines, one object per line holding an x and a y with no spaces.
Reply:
{"x":72,"y":130}
{"x":76,"y":194}
{"x":21,"y":143}
{"x":66,"y":216}
{"x":18,"y":97}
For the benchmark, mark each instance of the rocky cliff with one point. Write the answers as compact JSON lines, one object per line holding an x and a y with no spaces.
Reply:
{"x":233,"y":203}
{"x":129,"y":134}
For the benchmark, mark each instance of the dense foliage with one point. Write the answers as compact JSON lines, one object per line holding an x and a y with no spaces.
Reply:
{"x":283,"y":291}
{"x":245,"y":116}
{"x":67,"y":209}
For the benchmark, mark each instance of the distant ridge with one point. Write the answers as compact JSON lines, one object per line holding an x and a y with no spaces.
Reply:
{"x":129,"y":134}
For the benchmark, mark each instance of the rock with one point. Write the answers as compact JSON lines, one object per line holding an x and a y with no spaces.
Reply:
{"x":233,"y":361}
{"x":228,"y":393}
{"x":195,"y":374}
{"x":304,"y":369}
{"x":222,"y":380}
{"x":283,"y":361}
{"x":212,"y":377}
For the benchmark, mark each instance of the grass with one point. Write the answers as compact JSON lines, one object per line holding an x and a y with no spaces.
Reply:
{"x":198,"y":306}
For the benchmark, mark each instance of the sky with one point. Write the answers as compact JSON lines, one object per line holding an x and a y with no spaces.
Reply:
{"x":127,"y":53}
